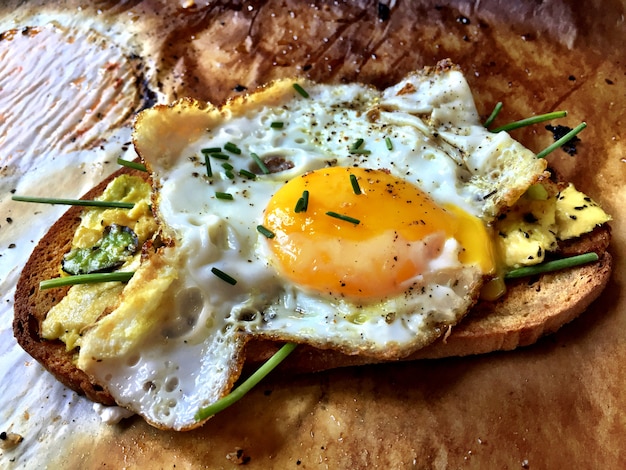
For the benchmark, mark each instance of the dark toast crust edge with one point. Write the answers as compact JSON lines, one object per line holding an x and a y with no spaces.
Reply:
{"x":488,"y":326}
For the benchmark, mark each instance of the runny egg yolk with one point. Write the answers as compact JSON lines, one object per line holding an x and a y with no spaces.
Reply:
{"x":392,"y":232}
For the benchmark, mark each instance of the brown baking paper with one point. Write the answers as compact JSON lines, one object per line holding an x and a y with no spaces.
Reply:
{"x":559,"y":402}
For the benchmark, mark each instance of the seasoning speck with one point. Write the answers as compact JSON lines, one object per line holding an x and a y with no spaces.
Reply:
{"x":558,"y":132}
{"x":383,"y":11}
{"x":238,"y":457}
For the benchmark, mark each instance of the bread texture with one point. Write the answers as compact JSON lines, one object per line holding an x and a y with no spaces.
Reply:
{"x":531,"y":308}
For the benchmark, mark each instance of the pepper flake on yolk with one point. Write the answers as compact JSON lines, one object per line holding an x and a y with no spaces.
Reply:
{"x":395,"y":232}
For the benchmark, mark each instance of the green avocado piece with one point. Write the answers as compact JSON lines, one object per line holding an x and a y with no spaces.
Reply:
{"x":117,"y":245}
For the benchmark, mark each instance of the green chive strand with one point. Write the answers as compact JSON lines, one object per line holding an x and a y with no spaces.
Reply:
{"x":224,"y":277}
{"x":494,"y":114}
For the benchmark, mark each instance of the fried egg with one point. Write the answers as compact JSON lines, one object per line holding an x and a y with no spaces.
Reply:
{"x":334,"y":215}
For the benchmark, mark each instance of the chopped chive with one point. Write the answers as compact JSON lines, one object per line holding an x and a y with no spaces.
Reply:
{"x":570,"y":135}
{"x":303,"y":203}
{"x":211,"y":150}
{"x":207,"y":162}
{"x":220,"y":156}
{"x":530,"y":120}
{"x":227,"y":166}
{"x":229,"y":174}
{"x":355,"y":185}
{"x":277,"y":125}
{"x":133,"y":165}
{"x":247,"y":385}
{"x":265,"y":231}
{"x":343,"y":217}
{"x":537,"y":192}
{"x":224,"y":196}
{"x":247,"y":174}
{"x":356,"y":145}
{"x":494,"y":114}
{"x":299,"y":206}
{"x":85,"y":279}
{"x":229,"y":146}
{"x":361,"y":152}
{"x":388,"y":143}
{"x":550,"y":266}
{"x":300,"y":90}
{"x":259,"y":163}
{"x":224,"y":277}
{"x":75,"y":202}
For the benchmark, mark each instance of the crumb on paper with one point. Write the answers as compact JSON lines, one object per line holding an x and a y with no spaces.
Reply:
{"x":9,"y":440}
{"x":193,"y":4}
{"x":447,"y":334}
{"x":238,"y":457}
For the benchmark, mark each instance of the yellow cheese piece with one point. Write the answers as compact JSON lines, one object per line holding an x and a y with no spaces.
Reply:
{"x":526,"y":232}
{"x":577,"y":213}
{"x":533,"y":226}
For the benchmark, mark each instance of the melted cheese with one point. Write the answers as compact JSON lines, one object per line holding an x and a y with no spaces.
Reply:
{"x":85,"y":304}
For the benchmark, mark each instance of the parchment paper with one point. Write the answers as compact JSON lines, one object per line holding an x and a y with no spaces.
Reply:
{"x":557,"y":403}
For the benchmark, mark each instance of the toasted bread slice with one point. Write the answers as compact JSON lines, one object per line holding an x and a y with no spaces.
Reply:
{"x":530,"y":309}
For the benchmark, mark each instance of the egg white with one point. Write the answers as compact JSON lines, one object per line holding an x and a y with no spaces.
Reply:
{"x":179,"y":346}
